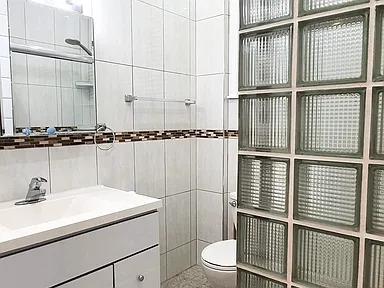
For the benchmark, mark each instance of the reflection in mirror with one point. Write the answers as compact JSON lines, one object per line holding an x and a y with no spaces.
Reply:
{"x":52,"y":64}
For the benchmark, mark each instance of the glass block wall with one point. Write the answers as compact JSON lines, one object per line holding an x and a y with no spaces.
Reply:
{"x":311,"y":144}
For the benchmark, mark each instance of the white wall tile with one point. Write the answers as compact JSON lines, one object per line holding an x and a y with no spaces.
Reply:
{"x":73,"y":167}
{"x":178,"y":165}
{"x":211,"y":8}
{"x":6,"y":105}
{"x":40,"y":23}
{"x":113,"y":82}
{"x":21,"y":105}
{"x":177,"y":115}
{"x":176,"y":43}
{"x":112,"y":24}
{"x":232,"y":164}
{"x":178,"y":220}
{"x":194,"y":214}
{"x":149,"y":168}
{"x":43,"y":106}
{"x":148,"y":83}
{"x":66,"y":110}
{"x":180,"y":7}
{"x":19,"y":68}
{"x":3,"y":7}
{"x":4,"y":46}
{"x":200,"y":247}
{"x":6,"y":88}
{"x":193,"y":253}
{"x":41,"y":71}
{"x":178,"y":260}
{"x":192,"y":42}
{"x":18,"y":167}
{"x":147,"y":35}
{"x":158,"y":3}
{"x":5,"y":67}
{"x":210,"y":164}
{"x":163,"y":228}
{"x":192,"y":9}
{"x":194,"y":163}
{"x":8,"y":128}
{"x":3,"y":25}
{"x":233,"y":114}
{"x":116,"y":167}
{"x":210,"y":46}
{"x":210,"y":101}
{"x":209,"y":216}
{"x":233,"y":58}
{"x":17,"y":18}
{"x":163,"y":267}
{"x":149,"y":115}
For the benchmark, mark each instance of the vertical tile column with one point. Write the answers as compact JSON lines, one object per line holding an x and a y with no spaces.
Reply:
{"x":212,"y":88}
{"x":5,"y":72}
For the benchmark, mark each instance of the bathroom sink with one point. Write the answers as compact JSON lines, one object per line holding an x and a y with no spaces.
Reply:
{"x":67,"y":213}
{"x":47,"y":211}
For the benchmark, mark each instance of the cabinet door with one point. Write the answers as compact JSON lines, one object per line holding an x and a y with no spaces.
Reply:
{"x":100,"y":279}
{"x":77,"y":255}
{"x":139,"y":271}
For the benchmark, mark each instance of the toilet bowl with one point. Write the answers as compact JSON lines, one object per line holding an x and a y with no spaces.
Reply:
{"x":219,"y":259}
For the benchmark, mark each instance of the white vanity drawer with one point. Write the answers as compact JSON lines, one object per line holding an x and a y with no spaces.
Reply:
{"x":141,"y":270}
{"x":63,"y":260}
{"x":100,"y":279}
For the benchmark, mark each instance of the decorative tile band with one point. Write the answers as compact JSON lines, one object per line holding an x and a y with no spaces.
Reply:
{"x":86,"y":138}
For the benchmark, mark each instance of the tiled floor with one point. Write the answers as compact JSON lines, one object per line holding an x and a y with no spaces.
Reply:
{"x":192,"y":278}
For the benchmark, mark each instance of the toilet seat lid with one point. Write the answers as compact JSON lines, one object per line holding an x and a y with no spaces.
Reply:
{"x":221,"y":254}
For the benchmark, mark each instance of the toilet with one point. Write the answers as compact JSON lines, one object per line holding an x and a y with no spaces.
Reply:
{"x":219,"y":259}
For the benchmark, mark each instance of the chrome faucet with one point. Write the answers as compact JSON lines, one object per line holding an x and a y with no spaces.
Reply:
{"x":35,"y":193}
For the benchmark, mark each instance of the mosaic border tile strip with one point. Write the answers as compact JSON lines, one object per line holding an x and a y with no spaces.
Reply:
{"x":87,"y":138}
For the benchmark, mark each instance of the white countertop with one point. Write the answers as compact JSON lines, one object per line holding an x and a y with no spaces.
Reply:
{"x":67,"y":213}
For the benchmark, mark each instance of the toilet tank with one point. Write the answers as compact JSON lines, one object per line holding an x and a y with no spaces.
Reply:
{"x":233,"y":207}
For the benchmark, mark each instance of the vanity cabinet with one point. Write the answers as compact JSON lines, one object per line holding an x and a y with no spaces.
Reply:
{"x":119,"y":252}
{"x":102,"y":278}
{"x":139,"y":271}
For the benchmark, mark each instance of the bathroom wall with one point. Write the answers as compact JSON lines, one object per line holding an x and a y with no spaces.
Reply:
{"x":171,"y":49}
{"x":5,"y":70}
{"x":216,"y":82}
{"x":146,"y":49}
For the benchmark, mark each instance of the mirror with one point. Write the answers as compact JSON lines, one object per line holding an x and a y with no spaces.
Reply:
{"x":52,"y":66}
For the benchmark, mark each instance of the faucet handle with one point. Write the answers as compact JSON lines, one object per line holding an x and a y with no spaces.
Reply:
{"x":40,"y":179}
{"x":36,"y":182}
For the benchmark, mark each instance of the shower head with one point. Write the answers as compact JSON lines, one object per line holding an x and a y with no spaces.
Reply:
{"x":76,"y":42}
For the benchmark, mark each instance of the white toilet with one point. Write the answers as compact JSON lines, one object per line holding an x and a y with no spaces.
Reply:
{"x":219,"y":259}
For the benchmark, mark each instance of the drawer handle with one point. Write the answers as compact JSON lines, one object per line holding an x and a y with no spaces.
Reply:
{"x":233,"y":203}
{"x":140,"y":278}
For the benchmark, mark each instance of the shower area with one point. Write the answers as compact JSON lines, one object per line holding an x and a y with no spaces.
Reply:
{"x":311,"y":144}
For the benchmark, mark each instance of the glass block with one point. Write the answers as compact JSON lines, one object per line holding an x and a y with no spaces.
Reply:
{"x":262,"y":243}
{"x":265,"y":122}
{"x":263,"y":183}
{"x":333,"y":50}
{"x":313,"y":6}
{"x":379,"y":47}
{"x":265,"y":59}
{"x":325,"y":259}
{"x":376,"y":199}
{"x":250,"y":280}
{"x":328,"y":192}
{"x":374,"y":264}
{"x":331,"y":122}
{"x":377,"y":141}
{"x":255,"y":12}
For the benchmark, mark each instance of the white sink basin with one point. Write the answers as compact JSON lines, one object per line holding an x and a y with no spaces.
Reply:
{"x":67,"y":213}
